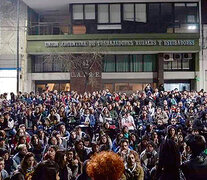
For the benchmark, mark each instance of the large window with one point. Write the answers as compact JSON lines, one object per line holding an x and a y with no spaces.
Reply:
{"x":77,"y":12}
{"x":49,"y":64}
{"x":129,"y":63}
{"x":81,"y":12}
{"x":40,"y":86}
{"x":134,"y":12}
{"x":109,"y":63}
{"x":109,"y":13}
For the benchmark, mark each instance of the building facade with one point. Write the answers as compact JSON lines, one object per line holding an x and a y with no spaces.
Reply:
{"x":140,"y":42}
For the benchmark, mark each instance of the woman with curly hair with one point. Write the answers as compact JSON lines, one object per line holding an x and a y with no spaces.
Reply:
{"x":105,"y":166}
{"x":133,"y":170}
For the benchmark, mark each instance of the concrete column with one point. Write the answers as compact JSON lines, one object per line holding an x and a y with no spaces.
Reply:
{"x":160,"y":70}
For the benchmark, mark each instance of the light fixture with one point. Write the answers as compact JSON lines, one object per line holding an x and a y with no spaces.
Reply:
{"x":192,"y":27}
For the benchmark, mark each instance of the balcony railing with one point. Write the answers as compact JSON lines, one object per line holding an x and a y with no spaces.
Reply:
{"x":49,"y":28}
{"x":53,"y":28}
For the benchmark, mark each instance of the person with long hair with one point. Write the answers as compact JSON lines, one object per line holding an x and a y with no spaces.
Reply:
{"x":51,"y":153}
{"x":36,"y":147}
{"x":65,"y":172}
{"x":169,"y":161}
{"x":133,"y":169}
{"x":46,"y":170}
{"x":26,"y":169}
{"x":81,"y":150}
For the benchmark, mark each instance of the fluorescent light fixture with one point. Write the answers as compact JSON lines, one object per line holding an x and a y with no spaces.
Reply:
{"x":192,"y":27}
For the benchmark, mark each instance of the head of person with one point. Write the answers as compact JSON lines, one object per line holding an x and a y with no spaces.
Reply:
{"x":22,"y":148}
{"x":104,"y":139}
{"x":62,"y":128}
{"x":2,"y":165}
{"x":171,"y":131}
{"x":61,"y":158}
{"x":150,"y":147}
{"x":28,"y":161}
{"x":47,"y":170}
{"x":4,"y":153}
{"x":197,"y":144}
{"x":53,"y":140}
{"x":105,"y":166}
{"x":79,"y":145}
{"x":70,"y":154}
{"x":124,"y":144}
{"x":51,"y":152}
{"x":132,"y":158}
{"x":35,"y":140}
{"x":95,"y":147}
{"x":125,"y":130}
{"x":2,"y":141}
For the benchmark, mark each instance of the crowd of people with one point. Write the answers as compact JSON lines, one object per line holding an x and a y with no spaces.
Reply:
{"x":157,"y":134}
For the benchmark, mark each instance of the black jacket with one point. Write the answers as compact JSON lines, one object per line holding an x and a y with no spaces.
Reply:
{"x":195,"y":168}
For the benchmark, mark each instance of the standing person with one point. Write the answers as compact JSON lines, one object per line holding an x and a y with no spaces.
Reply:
{"x":169,"y":161}
{"x":196,"y":167}
{"x":133,"y":170}
{"x":105,"y":166}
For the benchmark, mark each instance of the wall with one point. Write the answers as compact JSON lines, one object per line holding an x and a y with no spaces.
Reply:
{"x":204,"y":53}
{"x":8,"y":40}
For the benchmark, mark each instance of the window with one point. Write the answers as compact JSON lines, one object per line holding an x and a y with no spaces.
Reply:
{"x":154,"y":13}
{"x":140,"y":15}
{"x":115,"y":13}
{"x":38,"y":61}
{"x":136,"y":63}
{"x":135,"y":12}
{"x":90,"y":11}
{"x":129,"y":63}
{"x":166,"y":13}
{"x":186,"y":13}
{"x":59,"y":86}
{"x":109,"y":13}
{"x":149,"y":63}
{"x":109,"y":63}
{"x":122,"y":63}
{"x":77,"y":12}
{"x":128,"y":12}
{"x":49,"y":64}
{"x":103,"y":15}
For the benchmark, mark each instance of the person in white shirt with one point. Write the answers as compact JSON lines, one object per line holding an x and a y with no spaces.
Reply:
{"x":128,"y":120}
